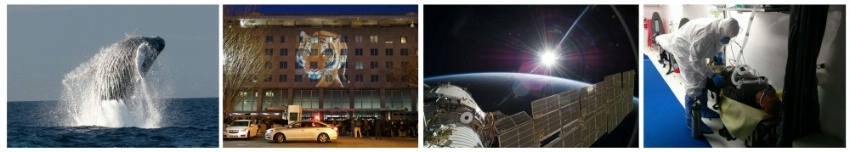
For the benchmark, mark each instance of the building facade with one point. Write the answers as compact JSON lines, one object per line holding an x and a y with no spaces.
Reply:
{"x":367,"y":51}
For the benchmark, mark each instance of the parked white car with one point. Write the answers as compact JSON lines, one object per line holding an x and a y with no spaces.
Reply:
{"x":305,"y":130}
{"x":241,"y":129}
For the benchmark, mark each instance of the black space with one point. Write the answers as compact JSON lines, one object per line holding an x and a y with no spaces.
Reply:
{"x":500,"y":38}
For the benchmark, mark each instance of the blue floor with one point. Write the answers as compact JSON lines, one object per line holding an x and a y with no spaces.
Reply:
{"x":664,"y":118}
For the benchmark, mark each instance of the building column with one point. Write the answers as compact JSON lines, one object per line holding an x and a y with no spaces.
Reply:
{"x":260,"y":94}
{"x":414,"y":95}
{"x":321,"y":98}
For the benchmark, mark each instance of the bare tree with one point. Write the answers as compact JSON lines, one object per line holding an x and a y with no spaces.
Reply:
{"x":245,"y":55}
{"x":407,"y":72}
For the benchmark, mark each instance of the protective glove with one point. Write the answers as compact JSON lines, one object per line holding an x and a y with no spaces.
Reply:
{"x":719,"y":59}
{"x":715,"y":83}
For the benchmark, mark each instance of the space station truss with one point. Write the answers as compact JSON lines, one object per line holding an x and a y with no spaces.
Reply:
{"x":577,"y":117}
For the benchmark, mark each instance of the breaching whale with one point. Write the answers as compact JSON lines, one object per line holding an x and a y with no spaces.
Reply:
{"x":116,"y":69}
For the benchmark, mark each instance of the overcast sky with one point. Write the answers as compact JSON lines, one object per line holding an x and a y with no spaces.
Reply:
{"x":46,"y":42}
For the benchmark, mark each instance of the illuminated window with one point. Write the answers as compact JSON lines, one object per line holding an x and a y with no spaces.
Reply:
{"x":358,"y":39}
{"x":373,"y":38}
{"x":314,"y":52}
{"x":275,"y":98}
{"x":359,"y":65}
{"x":403,"y":40}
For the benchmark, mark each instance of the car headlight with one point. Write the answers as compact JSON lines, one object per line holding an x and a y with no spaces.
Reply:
{"x":244,"y":130}
{"x":270,"y":130}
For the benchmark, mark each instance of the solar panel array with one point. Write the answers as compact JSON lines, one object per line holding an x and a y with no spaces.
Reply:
{"x":579,"y":117}
{"x":515,"y":131}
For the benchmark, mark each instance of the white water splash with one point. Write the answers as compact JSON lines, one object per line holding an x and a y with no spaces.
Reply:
{"x":81,"y":97}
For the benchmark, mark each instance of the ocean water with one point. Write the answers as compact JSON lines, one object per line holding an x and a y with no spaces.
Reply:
{"x":187,"y":122}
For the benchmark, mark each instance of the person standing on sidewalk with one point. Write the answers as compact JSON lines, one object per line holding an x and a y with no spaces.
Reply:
{"x":357,"y":126}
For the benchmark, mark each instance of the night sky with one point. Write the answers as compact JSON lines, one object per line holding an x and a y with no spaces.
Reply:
{"x":328,"y":9}
{"x":471,"y":39}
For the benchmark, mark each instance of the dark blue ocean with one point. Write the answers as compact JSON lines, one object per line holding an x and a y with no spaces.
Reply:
{"x":188,"y":122}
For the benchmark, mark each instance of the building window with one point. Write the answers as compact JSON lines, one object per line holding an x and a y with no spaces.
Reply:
{"x":398,"y":99}
{"x":403,"y":40}
{"x":359,"y":65}
{"x":269,"y":52}
{"x":374,"y":78}
{"x":344,"y":52}
{"x":388,"y":78}
{"x":405,"y":52}
{"x":358,"y":39}
{"x":389,"y":64}
{"x":404,"y":63}
{"x":344,"y":38}
{"x":275,"y":98}
{"x":268,"y":79}
{"x":269,"y":39}
{"x":373,"y":38}
{"x":284,"y":52}
{"x":358,"y":78}
{"x":306,"y":98}
{"x":328,"y":78}
{"x":373,"y":52}
{"x":374,"y":65}
{"x":314,"y":65}
{"x":389,"y":52}
{"x":248,"y":103}
{"x":388,"y":42}
{"x":358,"y":51}
{"x":268,"y":65}
{"x":336,"y":99}
{"x":283,"y":65}
{"x":367,"y":99}
{"x":314,"y":52}
{"x":282,"y":78}
{"x":314,"y":80}
{"x":298,"y":78}
{"x":282,"y":39}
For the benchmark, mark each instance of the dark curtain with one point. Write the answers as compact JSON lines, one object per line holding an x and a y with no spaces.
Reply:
{"x":800,"y":101}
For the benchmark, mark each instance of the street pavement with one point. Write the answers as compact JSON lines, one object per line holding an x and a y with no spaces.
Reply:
{"x":341,"y":142}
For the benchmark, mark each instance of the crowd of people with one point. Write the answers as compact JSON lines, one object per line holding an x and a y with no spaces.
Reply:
{"x":375,"y":128}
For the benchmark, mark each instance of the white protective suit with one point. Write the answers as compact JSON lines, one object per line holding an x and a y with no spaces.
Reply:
{"x":692,"y":44}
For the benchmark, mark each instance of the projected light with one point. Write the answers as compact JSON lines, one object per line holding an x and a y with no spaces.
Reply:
{"x":548,"y":58}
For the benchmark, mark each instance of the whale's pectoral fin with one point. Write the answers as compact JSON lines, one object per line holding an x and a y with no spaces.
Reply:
{"x":142,"y":58}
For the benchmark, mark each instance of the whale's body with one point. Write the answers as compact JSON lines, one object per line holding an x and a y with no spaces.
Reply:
{"x":116,"y":69}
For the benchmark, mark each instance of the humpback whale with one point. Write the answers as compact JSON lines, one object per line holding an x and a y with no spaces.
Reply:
{"x":116,"y":69}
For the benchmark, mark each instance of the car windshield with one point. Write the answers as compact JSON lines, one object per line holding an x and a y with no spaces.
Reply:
{"x":239,"y":123}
